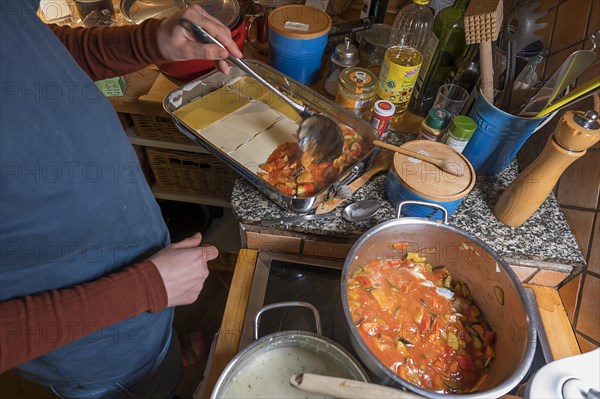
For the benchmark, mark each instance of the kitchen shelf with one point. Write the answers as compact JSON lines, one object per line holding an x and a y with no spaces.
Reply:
{"x":195,"y":199}
{"x":141,"y":141}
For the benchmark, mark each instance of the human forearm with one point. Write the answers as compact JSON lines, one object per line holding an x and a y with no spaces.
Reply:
{"x":37,"y":324}
{"x":104,"y":52}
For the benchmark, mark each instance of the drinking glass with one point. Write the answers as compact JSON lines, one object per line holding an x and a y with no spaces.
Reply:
{"x":452,"y":98}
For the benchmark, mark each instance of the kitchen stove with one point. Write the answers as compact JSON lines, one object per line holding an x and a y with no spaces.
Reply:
{"x":280,"y":278}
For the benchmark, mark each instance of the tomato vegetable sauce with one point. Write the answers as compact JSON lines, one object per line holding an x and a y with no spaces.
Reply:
{"x":421,"y":324}
{"x":284,"y":169}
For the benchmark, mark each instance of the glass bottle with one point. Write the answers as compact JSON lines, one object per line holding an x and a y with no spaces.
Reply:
{"x":448,"y":40}
{"x":397,"y":78}
{"x":467,"y":74}
{"x":412,"y":25}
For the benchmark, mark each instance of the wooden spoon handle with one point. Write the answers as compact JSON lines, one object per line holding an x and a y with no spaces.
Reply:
{"x":440,"y":163}
{"x":343,"y":388}
{"x":409,"y":153}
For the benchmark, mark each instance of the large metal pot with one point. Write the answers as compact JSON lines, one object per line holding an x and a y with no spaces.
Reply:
{"x":242,"y":379}
{"x":495,"y":289}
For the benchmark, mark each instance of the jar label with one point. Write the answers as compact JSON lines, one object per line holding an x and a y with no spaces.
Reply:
{"x":361,"y":78}
{"x":293,"y":25}
{"x":396,"y":81}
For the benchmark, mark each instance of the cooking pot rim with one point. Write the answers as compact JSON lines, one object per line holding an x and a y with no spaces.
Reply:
{"x":275,"y":338}
{"x":518,"y":374}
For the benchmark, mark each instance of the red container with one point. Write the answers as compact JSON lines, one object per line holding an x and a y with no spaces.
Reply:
{"x":192,"y":69}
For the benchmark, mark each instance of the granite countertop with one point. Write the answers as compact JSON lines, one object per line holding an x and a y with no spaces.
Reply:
{"x":545,"y":240}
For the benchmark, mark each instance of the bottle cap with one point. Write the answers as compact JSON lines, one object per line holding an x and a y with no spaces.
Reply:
{"x":462,"y":127}
{"x":438,"y":118}
{"x":384,"y":108}
{"x":345,"y":54}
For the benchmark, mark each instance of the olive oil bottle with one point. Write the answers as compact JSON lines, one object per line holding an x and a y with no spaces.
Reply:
{"x":448,"y":41}
{"x":397,"y":78}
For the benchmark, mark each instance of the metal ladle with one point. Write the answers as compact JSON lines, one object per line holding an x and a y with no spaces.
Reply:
{"x":318,"y":135}
{"x":354,"y":212}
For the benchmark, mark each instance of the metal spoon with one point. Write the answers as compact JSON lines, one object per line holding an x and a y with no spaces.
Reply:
{"x":355,"y":212}
{"x":318,"y":135}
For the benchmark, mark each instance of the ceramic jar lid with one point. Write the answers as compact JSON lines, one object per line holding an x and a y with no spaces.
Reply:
{"x":300,"y":22}
{"x":426,"y":180}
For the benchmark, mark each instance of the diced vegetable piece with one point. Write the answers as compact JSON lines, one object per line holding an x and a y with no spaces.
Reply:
{"x":415,"y":257}
{"x":499,"y":294}
{"x":478,"y":329}
{"x":305,"y":178}
{"x":466,"y":291}
{"x":266,"y":167}
{"x":305,"y":189}
{"x":490,"y":337}
{"x":364,"y":281}
{"x":381,"y":298}
{"x":400,"y":245}
{"x":401,"y":347}
{"x":453,"y":341}
{"x":392,"y":286}
{"x":489,"y":351}
{"x":448,"y":282}
{"x":465,"y":362}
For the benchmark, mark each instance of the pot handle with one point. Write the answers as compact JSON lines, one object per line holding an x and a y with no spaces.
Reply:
{"x":286,"y":305}
{"x":430,"y":204}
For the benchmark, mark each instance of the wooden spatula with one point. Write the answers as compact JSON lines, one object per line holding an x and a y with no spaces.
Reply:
{"x":443,"y":164}
{"x":482,"y":25}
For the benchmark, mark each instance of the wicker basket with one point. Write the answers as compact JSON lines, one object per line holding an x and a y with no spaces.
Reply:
{"x":158,"y":128}
{"x":144,"y":165}
{"x":191,"y":173}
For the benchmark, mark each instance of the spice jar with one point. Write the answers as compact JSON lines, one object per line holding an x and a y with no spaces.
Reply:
{"x":383,"y":112}
{"x":356,"y":90}
{"x":460,"y":131}
{"x":432,"y":127}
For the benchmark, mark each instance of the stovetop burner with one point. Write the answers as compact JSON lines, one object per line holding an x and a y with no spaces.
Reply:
{"x":280,"y":278}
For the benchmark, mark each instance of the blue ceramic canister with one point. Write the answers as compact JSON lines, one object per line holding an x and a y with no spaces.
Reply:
{"x":412,"y":179}
{"x":498,"y":137}
{"x":297,"y":37}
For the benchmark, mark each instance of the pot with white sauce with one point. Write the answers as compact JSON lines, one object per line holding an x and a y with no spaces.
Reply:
{"x":264,"y":368}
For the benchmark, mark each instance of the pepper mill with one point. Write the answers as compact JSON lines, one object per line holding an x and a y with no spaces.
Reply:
{"x":575,"y":133}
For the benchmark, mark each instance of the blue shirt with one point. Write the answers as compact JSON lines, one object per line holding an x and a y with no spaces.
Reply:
{"x":74,"y":205}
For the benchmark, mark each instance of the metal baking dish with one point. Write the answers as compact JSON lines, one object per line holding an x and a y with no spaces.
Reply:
{"x":194,"y":91}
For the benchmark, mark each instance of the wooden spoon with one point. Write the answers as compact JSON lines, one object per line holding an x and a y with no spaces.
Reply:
{"x":443,"y":164}
{"x":346,"y":389}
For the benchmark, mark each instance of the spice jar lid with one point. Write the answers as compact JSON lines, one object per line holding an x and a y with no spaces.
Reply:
{"x":299,"y":22}
{"x":384,"y":107}
{"x":345,"y":54}
{"x":358,"y":80}
{"x":429,"y":182}
{"x":462,"y":127}
{"x":438,"y":118}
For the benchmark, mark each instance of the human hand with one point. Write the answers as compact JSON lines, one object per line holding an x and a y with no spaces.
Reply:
{"x":177,"y":44}
{"x":183,"y":268}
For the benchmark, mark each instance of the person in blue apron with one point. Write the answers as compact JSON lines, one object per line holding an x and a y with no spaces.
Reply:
{"x":88,"y":277}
